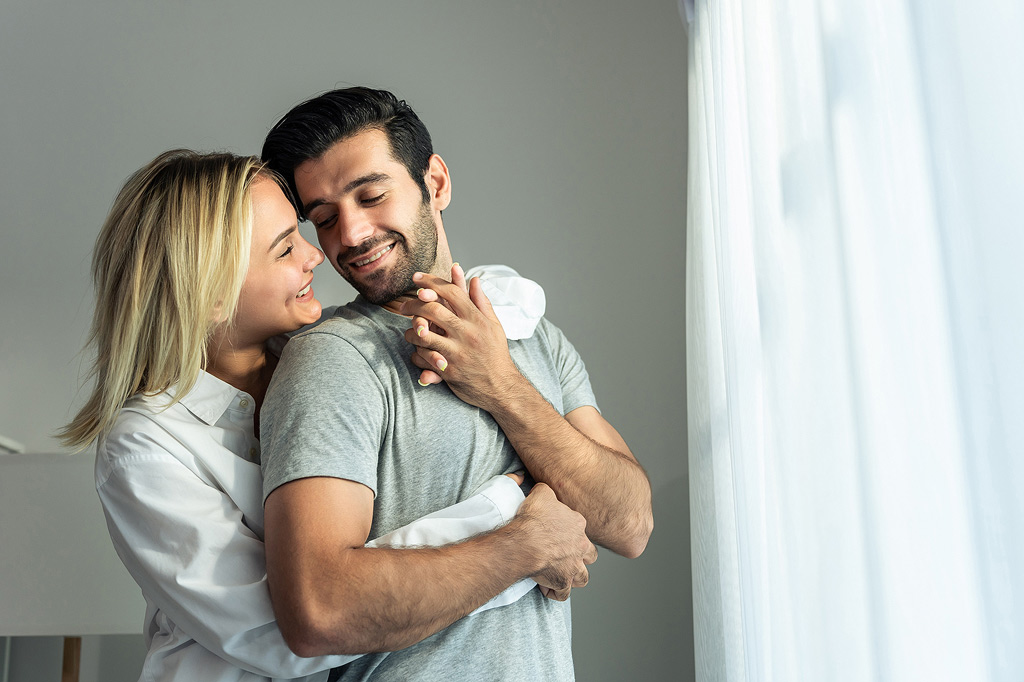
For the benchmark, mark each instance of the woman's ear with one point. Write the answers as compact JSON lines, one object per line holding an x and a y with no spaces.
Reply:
{"x":439,"y":183}
{"x":218,"y":316}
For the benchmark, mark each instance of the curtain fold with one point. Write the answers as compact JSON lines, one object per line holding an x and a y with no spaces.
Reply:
{"x":854,"y":326}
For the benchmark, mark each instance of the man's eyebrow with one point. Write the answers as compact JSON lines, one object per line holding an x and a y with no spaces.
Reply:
{"x":277,"y":240}
{"x":367,"y":179}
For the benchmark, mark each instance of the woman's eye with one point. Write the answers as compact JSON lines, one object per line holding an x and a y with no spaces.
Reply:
{"x":287,"y":251}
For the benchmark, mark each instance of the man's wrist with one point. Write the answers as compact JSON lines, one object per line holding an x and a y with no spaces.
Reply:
{"x":520,"y":538}
{"x":509,"y":392}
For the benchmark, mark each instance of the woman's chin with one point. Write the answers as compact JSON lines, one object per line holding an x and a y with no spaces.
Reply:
{"x":312,"y":312}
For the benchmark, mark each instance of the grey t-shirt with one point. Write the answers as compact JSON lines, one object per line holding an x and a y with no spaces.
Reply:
{"x":344,"y":402}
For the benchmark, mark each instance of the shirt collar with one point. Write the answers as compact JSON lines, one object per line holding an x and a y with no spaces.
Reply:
{"x":207,"y":401}
{"x":210,"y":397}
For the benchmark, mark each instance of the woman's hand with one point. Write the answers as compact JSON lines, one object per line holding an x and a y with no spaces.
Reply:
{"x":464,"y":342}
{"x":421,"y":325}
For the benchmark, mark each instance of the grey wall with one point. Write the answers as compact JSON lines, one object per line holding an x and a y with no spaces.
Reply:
{"x":563,"y":125}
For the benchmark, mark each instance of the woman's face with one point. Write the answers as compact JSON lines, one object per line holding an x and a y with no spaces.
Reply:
{"x":277,"y":295}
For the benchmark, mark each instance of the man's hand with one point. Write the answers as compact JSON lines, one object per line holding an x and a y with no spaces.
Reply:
{"x":458,"y":335}
{"x":556,"y":536}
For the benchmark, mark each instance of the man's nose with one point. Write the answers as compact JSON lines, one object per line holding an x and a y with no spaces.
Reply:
{"x":353,"y":228}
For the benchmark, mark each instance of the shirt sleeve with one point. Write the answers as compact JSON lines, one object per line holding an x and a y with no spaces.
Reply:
{"x":572,"y":373}
{"x":492,"y":505}
{"x":325,"y":414}
{"x":517,"y":302}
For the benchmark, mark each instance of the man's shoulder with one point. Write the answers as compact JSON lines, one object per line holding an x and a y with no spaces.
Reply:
{"x":349,"y":324}
{"x":354,"y":339}
{"x":546,"y":337}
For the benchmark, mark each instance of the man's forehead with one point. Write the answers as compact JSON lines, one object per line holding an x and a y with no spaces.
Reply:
{"x":366,"y":152}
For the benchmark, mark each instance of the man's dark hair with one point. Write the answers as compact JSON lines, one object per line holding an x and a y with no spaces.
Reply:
{"x":310,"y":129}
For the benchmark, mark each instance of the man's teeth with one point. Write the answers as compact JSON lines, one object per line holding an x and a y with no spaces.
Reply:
{"x":304,"y":291}
{"x":374,"y":257}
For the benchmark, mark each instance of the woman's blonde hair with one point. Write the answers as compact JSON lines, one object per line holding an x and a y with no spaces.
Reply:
{"x":168,"y":267}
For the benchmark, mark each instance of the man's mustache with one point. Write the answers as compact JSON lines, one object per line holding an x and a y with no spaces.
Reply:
{"x":366,"y":247}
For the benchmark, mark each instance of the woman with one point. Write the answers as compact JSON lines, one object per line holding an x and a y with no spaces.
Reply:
{"x":198,"y":266}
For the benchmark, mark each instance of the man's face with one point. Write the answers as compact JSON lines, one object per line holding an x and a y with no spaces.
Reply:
{"x":370,"y":217}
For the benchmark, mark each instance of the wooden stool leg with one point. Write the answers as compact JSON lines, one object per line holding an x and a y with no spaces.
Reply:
{"x":72,"y":658}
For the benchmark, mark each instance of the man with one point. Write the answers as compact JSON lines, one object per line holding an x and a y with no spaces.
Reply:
{"x":338,"y":471}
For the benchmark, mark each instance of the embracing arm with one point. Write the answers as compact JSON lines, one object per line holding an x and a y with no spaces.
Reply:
{"x":205,"y":568}
{"x":584,"y":459}
{"x":332,"y":593}
{"x":581,"y":456}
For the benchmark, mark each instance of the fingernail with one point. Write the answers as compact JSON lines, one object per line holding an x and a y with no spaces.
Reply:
{"x":417,"y":276}
{"x":420,"y":329}
{"x":442,"y":364}
{"x":420,"y":382}
{"x":456,"y":265}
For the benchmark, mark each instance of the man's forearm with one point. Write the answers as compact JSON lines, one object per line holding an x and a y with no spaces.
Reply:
{"x":580,"y":456}
{"x":366,"y":599}
{"x":603,"y":483}
{"x":333,"y":595}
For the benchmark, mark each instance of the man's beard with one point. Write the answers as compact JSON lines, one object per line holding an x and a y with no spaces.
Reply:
{"x":385,"y":285}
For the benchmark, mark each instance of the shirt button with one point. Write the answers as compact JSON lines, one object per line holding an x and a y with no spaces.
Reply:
{"x":244,"y":403}
{"x":252,"y":453}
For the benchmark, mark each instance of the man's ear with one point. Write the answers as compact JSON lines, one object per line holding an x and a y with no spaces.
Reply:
{"x":439,"y":183}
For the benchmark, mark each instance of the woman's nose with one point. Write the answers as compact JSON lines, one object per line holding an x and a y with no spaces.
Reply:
{"x":315,"y":258}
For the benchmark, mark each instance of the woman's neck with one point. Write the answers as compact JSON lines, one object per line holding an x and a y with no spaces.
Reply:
{"x":247,"y":369}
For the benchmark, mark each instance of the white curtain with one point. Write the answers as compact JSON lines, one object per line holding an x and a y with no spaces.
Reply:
{"x":855,"y":335}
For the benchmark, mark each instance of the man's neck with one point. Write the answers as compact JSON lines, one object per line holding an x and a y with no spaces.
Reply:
{"x":395,"y":305}
{"x":442,"y":268}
